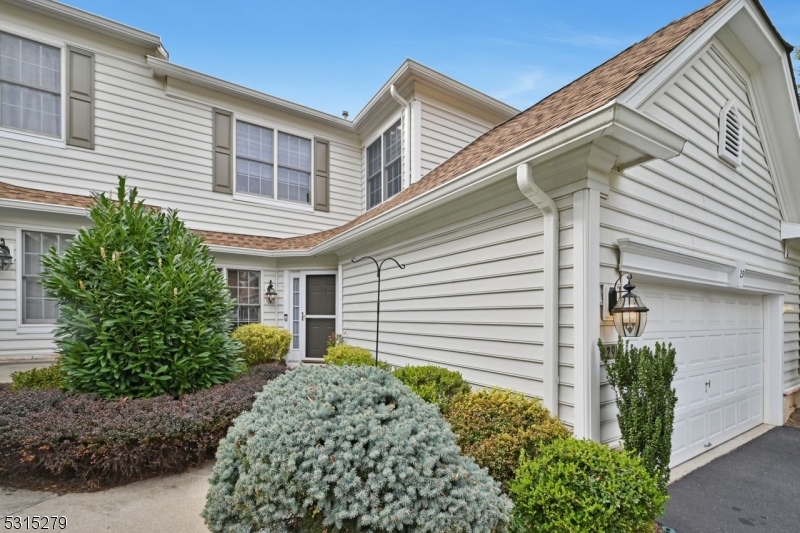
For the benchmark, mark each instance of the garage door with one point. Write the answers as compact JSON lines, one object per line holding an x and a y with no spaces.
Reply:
{"x":718,"y":338}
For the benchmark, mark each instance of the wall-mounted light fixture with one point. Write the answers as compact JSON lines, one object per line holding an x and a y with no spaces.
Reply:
{"x":5,"y":255}
{"x":271,"y":293}
{"x":628,"y":310}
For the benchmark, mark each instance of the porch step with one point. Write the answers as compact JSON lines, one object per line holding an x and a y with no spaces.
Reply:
{"x":312,"y":361}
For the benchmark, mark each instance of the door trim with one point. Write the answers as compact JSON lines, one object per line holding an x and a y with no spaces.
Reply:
{"x":297,"y":355}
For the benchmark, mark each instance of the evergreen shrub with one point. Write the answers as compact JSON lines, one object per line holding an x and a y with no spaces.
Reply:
{"x":433,"y":384}
{"x":49,"y":377}
{"x":346,"y":449}
{"x":495,"y":425}
{"x":580,"y":486}
{"x":262,"y":343}
{"x":344,"y":354}
{"x":143,"y":309}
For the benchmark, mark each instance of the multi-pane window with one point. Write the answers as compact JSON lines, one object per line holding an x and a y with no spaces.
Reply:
{"x":30,"y":86}
{"x":245,"y":286}
{"x":37,"y":308}
{"x":384,"y":166}
{"x":295,"y":313}
{"x":256,"y":153}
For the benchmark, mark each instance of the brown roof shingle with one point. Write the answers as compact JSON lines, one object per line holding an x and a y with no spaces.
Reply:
{"x":588,"y":93}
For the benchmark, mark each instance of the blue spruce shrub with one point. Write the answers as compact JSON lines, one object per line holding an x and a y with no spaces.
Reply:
{"x":345,"y":449}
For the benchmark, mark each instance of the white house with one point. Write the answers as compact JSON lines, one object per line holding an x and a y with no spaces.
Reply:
{"x":675,"y":161}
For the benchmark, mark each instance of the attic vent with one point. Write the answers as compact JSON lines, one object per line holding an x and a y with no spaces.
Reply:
{"x":730,"y":134}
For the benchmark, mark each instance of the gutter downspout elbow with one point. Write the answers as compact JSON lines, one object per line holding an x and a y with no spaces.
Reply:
{"x":537,"y":196}
{"x":406,"y":105}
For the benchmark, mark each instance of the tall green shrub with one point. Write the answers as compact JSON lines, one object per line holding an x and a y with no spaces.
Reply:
{"x":144,"y":311}
{"x":262,"y":343}
{"x":646,"y":401}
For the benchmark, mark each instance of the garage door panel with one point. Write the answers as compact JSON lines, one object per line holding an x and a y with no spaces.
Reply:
{"x":718,"y":338}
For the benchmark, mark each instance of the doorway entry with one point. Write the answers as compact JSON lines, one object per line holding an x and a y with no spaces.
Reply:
{"x":313,"y":313}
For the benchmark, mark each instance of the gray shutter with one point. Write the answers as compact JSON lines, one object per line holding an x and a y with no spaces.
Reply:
{"x":223,"y":151}
{"x":322,"y":175}
{"x":80,"y":98}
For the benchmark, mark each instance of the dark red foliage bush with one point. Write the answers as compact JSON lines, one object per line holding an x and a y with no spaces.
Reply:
{"x":93,"y":443}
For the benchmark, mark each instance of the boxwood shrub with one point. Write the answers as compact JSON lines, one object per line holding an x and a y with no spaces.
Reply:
{"x":433,"y":384}
{"x":494,"y":426}
{"x":83,"y":442}
{"x":344,"y":354}
{"x":345,"y":449}
{"x":579,"y":486}
{"x":262,"y":343}
{"x":49,"y":377}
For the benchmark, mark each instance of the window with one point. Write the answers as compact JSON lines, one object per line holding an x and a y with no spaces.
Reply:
{"x":384,"y":166}
{"x":295,"y":313}
{"x":245,"y":286}
{"x":256,"y":154}
{"x":30,"y":86}
{"x":36,"y":307}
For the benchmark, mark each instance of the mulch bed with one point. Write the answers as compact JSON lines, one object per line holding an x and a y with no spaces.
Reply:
{"x":794,"y":419}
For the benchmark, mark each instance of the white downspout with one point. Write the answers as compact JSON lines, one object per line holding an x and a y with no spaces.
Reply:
{"x":526,"y":184}
{"x":406,"y":134}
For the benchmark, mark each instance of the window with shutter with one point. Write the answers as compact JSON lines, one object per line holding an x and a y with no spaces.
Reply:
{"x":731,"y":134}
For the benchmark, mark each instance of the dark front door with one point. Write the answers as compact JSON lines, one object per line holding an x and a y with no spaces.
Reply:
{"x":320,"y":313}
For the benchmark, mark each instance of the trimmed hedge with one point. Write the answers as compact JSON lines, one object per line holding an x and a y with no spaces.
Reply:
{"x":433,"y":384}
{"x":346,"y":355}
{"x":49,"y":377}
{"x":86,"y":442}
{"x":495,"y":425}
{"x":580,"y":486}
{"x":347,"y":449}
{"x":262,"y":343}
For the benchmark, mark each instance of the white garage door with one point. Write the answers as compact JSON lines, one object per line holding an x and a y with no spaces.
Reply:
{"x":718,"y":338}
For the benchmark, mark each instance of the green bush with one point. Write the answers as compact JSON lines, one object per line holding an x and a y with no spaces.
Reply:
{"x":433,"y":384}
{"x":344,"y":354}
{"x":580,"y":486}
{"x":494,"y":426}
{"x":262,"y":343}
{"x":646,"y":402}
{"x":38,"y":378}
{"x":144,"y":311}
{"x":345,"y":449}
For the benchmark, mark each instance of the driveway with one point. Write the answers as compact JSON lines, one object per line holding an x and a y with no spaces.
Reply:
{"x":753,"y":489}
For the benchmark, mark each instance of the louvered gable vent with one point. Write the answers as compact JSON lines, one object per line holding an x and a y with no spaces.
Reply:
{"x":731,"y":134}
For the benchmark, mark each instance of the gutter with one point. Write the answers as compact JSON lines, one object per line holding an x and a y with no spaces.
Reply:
{"x":528,"y":187}
{"x":406,"y":105}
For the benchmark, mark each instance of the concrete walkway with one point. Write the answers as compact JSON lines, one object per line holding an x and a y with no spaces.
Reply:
{"x":171,"y":504}
{"x":753,"y":489}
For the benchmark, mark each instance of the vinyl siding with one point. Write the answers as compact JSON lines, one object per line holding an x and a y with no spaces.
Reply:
{"x":470,"y":297}
{"x":162,"y":143}
{"x":444,"y":132}
{"x":696,"y":200}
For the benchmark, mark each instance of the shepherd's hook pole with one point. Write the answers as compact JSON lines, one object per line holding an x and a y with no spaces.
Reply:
{"x":378,"y":314}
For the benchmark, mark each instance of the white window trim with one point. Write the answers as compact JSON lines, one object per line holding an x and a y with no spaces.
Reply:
{"x":261,"y":286}
{"x":10,"y":133}
{"x":22,"y":328}
{"x":371,"y":140}
{"x":274,"y":201}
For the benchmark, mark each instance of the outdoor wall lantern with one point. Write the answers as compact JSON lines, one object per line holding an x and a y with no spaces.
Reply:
{"x":271,"y":293}
{"x":628,"y":310}
{"x":5,"y":255}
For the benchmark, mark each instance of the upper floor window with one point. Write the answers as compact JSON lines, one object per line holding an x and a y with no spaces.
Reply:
{"x":37,"y":308}
{"x":30,"y":86}
{"x":257,"y":173}
{"x":384,"y":166}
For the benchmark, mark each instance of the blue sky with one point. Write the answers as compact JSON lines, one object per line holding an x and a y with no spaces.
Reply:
{"x":334,"y":56}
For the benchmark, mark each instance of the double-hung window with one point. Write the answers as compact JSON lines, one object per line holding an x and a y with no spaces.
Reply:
{"x":37,"y":308}
{"x":384,"y":166}
{"x":30,"y":86}
{"x":245,"y":287}
{"x":272,"y":164}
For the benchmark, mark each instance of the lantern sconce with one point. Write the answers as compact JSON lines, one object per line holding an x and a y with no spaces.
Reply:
{"x":271,"y":293}
{"x":628,"y":310}
{"x":5,"y":255}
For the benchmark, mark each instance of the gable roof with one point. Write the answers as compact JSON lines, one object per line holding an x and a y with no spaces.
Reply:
{"x":586,"y":94}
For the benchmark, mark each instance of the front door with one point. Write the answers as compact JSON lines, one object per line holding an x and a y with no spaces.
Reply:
{"x":320,"y":316}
